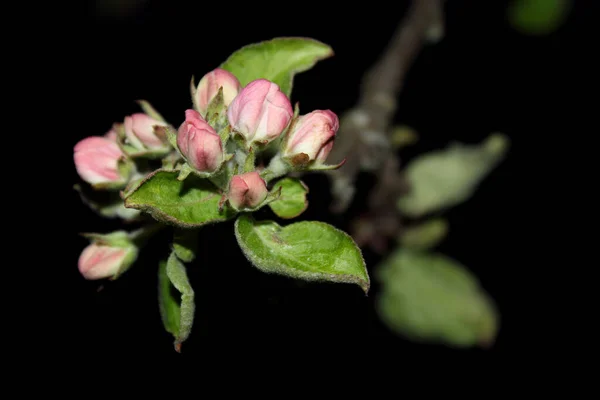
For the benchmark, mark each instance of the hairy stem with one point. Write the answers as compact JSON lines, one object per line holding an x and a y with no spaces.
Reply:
{"x":277,"y":167}
{"x":364,"y":130}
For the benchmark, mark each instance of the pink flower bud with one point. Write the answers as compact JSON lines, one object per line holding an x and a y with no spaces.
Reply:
{"x":112,"y":135}
{"x":260,"y":112}
{"x":313,"y":135}
{"x":209,"y":85}
{"x":99,"y":262}
{"x":97,"y":160}
{"x":199,"y":143}
{"x":139,"y":129}
{"x":247,"y":190}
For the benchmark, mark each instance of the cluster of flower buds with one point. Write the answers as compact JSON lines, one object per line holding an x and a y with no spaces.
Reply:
{"x":257,"y":115}
{"x":253,"y":116}
{"x":107,"y":161}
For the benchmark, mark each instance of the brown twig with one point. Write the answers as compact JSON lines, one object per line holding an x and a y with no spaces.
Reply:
{"x":363,"y":138}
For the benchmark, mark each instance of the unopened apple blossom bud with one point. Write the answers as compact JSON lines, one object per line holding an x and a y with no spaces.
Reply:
{"x":97,"y":161}
{"x":99,"y":261}
{"x":209,"y":85}
{"x":112,"y":135}
{"x":139,"y":130}
{"x":199,"y":143}
{"x":313,"y":135}
{"x":261,"y":112}
{"x":247,"y":190}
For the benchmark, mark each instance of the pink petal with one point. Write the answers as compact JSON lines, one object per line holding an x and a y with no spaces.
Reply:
{"x":97,"y":262}
{"x":143,"y":128}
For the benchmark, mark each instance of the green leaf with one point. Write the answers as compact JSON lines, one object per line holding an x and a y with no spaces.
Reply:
{"x":292,"y":200}
{"x":428,"y":297}
{"x":191,"y":203}
{"x":177,"y":316}
{"x":425,"y":235}
{"x":277,"y":60}
{"x":168,"y":304}
{"x":443,"y":179}
{"x":307,"y":250}
{"x":538,"y":17}
{"x":185,"y":243}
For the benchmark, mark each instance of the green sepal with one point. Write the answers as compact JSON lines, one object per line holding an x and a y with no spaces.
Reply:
{"x":193,"y":90}
{"x":114,"y":239}
{"x":301,"y":162}
{"x":326,"y":167}
{"x":249,"y":163}
{"x":184,"y":171}
{"x":271,"y":197}
{"x":171,"y":136}
{"x":216,"y":108}
{"x":150,"y":111}
{"x":225,"y":134}
{"x":134,"y":152}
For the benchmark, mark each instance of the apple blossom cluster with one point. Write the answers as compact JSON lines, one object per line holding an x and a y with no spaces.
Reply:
{"x":221,"y":138}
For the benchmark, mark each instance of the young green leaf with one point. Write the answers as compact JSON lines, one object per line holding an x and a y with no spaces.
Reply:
{"x":185,"y":243}
{"x":277,"y":60}
{"x":443,"y":179}
{"x":177,"y":316}
{"x":428,"y":297}
{"x":191,"y":203}
{"x":168,"y":304}
{"x":308,"y":250}
{"x":292,"y":200}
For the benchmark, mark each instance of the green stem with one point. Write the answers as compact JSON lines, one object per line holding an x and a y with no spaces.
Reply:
{"x":249,"y":163}
{"x":140,"y":236}
{"x":221,"y":179}
{"x":277,"y":167}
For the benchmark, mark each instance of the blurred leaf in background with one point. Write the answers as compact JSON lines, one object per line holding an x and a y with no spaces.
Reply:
{"x":538,"y":17}
{"x":425,"y":235}
{"x":428,"y":297}
{"x":117,"y":8}
{"x":442,"y":179}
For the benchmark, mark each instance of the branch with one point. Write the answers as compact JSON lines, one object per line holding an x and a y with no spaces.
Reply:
{"x":363,"y":138}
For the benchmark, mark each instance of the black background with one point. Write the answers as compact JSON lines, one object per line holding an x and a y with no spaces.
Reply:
{"x":482,"y":78}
